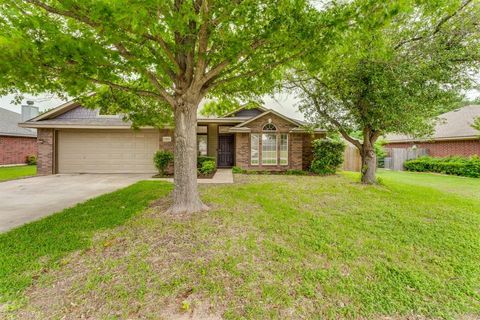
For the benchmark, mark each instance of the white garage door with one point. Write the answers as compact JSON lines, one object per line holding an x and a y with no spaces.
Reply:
{"x":106,"y":151}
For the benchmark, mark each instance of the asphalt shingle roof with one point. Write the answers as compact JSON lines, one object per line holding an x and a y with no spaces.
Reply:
{"x":9,"y":125}
{"x":455,"y":124}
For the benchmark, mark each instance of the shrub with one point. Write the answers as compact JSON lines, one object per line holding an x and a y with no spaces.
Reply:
{"x":238,"y":170}
{"x":162,"y":159}
{"x":202,"y":159}
{"x":460,"y":166}
{"x":327,"y":156}
{"x":31,"y":159}
{"x":207,"y":167}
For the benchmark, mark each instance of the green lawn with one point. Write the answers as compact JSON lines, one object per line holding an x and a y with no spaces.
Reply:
{"x":30,"y":250}
{"x":11,"y":173}
{"x":282,"y":247}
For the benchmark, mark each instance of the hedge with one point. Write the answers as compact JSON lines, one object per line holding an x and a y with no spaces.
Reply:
{"x":459,"y":166}
{"x":327,"y":156}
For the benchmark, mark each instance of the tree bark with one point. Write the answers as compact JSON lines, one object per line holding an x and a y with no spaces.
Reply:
{"x":185,"y":194}
{"x":369,"y":163}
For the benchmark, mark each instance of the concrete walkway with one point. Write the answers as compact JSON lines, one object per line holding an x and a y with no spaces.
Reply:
{"x":29,"y":199}
{"x":221,"y":176}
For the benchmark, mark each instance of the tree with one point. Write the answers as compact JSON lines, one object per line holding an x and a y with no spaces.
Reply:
{"x":152,"y":60}
{"x":396,"y":68}
{"x":476,"y":124}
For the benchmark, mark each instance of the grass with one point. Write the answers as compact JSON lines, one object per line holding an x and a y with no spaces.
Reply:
{"x":28,"y":251}
{"x":283,"y":248}
{"x":16,"y":172}
{"x":463,"y":186}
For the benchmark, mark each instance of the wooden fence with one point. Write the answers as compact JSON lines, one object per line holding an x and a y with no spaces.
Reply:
{"x":398,"y":156}
{"x":351,"y":158}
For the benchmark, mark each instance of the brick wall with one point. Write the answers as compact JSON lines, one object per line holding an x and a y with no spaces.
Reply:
{"x":14,"y":150}
{"x":295,"y":145}
{"x":307,"y":152}
{"x":45,"y":161}
{"x":444,"y":148}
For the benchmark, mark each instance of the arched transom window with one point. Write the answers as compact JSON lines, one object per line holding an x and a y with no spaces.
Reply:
{"x":273,"y":146}
{"x":269,"y":127}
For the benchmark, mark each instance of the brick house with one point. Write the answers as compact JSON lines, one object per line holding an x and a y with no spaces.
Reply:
{"x":74,"y":139}
{"x":16,"y":143}
{"x":453,"y":135}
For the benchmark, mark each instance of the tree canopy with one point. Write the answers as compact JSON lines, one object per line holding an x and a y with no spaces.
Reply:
{"x":152,"y":60}
{"x":135,"y":51}
{"x":396,"y":67}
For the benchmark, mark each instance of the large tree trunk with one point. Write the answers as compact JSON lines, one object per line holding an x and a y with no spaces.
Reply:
{"x":369,"y":163}
{"x":185,"y":194}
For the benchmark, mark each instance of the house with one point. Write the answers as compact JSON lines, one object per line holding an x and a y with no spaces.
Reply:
{"x":17,"y":143}
{"x":453,"y":135}
{"x":74,"y":139}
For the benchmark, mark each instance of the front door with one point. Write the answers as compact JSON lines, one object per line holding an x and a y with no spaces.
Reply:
{"x":225,"y":151}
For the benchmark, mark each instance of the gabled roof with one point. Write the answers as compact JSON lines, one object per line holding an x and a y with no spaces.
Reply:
{"x":295,"y":122}
{"x":9,"y":121}
{"x":56,"y":111}
{"x":72,"y":115}
{"x":453,"y":125}
{"x":244,"y":108}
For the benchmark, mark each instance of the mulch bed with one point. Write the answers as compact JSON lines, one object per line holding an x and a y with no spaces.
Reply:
{"x":199,"y":175}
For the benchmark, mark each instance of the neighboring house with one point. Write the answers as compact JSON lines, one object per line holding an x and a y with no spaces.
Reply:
{"x":17,"y":143}
{"x":74,"y":139}
{"x":453,"y":135}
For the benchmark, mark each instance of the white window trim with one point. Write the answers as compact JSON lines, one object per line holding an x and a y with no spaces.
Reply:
{"x":259,"y":136}
{"x":280,"y":151}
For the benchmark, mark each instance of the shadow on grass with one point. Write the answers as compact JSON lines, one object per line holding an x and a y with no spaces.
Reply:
{"x":27,"y":251}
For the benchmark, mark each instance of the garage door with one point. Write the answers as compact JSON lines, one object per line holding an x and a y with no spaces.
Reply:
{"x":106,"y":151}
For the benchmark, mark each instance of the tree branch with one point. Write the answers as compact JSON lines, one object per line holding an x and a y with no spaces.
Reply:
{"x":113,"y":85}
{"x":438,"y":27}
{"x":150,"y":76}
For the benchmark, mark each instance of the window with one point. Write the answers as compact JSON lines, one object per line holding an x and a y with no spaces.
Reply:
{"x":269,"y":149}
{"x":202,"y":142}
{"x":254,"y":149}
{"x":283,"y":149}
{"x":269,"y":127}
{"x":274,"y":146}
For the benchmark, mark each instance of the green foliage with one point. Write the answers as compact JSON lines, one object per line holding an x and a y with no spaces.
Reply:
{"x":460,"y":166}
{"x":223,"y":105}
{"x":379,"y":148}
{"x":138,"y":62}
{"x":162,"y":159}
{"x":327,"y":156}
{"x":202,"y":159}
{"x":238,"y":170}
{"x":207,"y":167}
{"x":395,"y":67}
{"x":476,"y":124}
{"x":31,"y":159}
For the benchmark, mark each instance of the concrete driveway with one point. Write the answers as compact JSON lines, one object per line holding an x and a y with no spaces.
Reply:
{"x":25,"y":200}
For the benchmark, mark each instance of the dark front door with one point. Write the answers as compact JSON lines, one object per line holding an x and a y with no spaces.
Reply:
{"x":225,"y":151}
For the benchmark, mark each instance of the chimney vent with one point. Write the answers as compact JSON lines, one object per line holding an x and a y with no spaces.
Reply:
{"x":29,"y":111}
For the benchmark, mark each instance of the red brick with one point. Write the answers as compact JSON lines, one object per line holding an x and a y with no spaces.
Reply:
{"x":45,"y":161}
{"x":444,"y":148}
{"x":14,"y":150}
